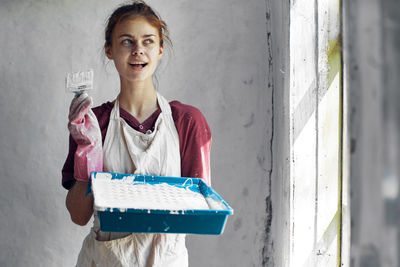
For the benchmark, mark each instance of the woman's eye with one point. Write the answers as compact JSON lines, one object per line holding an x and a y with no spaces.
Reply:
{"x":126,"y":42}
{"x":148,"y":41}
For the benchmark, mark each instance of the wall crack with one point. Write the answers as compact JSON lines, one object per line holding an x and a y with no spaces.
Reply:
{"x":268,"y":248}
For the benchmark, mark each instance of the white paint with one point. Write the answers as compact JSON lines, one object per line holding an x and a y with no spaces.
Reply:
{"x":123,"y":194}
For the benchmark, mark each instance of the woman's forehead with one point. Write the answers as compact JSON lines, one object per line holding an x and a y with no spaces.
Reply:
{"x":135,"y":26}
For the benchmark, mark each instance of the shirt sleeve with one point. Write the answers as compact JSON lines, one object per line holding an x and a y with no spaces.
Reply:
{"x":67,"y":172}
{"x":195,"y":141}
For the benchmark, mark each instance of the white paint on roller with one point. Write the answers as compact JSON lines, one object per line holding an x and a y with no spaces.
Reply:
{"x":126,"y":193}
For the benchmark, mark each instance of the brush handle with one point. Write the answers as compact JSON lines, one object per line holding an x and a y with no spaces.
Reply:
{"x":78,"y":93}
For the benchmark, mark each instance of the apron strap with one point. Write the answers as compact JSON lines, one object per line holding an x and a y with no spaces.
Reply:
{"x":115,"y":111}
{"x":164,"y":105}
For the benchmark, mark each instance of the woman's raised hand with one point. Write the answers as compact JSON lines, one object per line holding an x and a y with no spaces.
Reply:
{"x":85,"y":130}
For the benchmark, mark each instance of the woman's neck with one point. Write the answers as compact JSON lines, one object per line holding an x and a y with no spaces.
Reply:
{"x":139,"y":99}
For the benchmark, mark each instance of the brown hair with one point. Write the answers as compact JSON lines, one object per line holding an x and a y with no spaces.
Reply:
{"x":141,"y":9}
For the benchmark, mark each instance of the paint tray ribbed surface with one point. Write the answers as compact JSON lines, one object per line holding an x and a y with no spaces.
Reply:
{"x":157,"y":204}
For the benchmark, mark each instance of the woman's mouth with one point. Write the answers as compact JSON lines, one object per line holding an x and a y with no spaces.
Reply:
{"x":138,"y":65}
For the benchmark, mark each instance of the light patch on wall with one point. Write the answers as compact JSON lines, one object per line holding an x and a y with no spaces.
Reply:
{"x":390,"y":186}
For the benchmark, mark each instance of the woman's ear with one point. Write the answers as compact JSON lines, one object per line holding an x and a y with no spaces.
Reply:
{"x":107,"y":49}
{"x":161,"y":51}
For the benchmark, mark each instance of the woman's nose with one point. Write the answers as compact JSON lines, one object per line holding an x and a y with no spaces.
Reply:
{"x":137,"y":50}
{"x":135,"y":53}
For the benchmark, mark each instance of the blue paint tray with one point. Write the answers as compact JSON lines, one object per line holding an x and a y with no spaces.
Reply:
{"x":122,"y":207}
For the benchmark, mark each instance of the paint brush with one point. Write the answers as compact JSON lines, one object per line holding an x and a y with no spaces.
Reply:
{"x":79,"y":82}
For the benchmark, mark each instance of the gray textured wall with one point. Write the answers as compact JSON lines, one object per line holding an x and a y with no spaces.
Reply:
{"x":219,"y":65}
{"x":372,"y":54}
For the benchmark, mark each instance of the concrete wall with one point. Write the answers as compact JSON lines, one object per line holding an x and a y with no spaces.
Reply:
{"x":315,"y":114}
{"x":277,"y":249}
{"x":220,"y":64}
{"x":372,"y":59}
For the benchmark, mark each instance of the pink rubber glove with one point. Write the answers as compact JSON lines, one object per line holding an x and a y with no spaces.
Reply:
{"x":85,"y":130}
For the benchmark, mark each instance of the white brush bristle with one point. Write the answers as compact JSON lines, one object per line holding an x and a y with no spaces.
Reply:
{"x":80,"y":81}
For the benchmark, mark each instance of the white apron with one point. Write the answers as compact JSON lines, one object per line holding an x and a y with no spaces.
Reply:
{"x":126,"y":150}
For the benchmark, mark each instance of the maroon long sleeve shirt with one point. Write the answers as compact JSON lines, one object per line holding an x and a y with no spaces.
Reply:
{"x":194,"y":139}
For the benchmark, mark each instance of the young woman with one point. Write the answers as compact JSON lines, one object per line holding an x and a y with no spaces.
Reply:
{"x":139,"y":132}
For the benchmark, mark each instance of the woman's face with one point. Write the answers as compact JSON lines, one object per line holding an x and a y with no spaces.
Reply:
{"x":135,"y":49}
